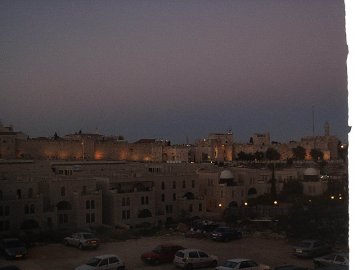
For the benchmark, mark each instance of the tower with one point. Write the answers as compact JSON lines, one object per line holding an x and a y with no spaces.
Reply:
{"x":327,"y":129}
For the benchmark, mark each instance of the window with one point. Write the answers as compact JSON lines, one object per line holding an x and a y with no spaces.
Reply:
{"x":30,"y":193}
{"x":87,"y":204}
{"x":103,"y":262}
{"x":49,"y":222}
{"x":162,"y":197}
{"x":169,"y":209}
{"x":184,"y":184}
{"x":87,"y":218}
{"x":193,"y":254}
{"x":84,"y":190}
{"x":113,"y":260}
{"x":125,"y":214}
{"x":4,"y":225}
{"x":190,"y":207}
{"x":193,"y":183}
{"x":162,"y":185}
{"x":92,"y":204}
{"x":92,"y":217}
{"x":174,"y":184}
{"x":146,"y":200}
{"x":62,"y":192}
{"x":203,"y":254}
{"x":1,"y":195}
{"x":174,"y":196}
{"x":26,"y":209}
{"x":142,"y":200}
{"x":18,"y":193}
{"x":200,"y":207}
{"x":32,"y":209}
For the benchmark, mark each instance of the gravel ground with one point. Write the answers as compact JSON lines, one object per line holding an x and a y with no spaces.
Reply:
{"x":272,"y":252}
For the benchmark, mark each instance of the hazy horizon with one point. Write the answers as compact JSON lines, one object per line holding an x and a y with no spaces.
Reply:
{"x":174,"y":70}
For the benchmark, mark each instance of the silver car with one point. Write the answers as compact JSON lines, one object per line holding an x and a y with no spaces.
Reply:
{"x":102,"y":262}
{"x":82,"y":240}
{"x":194,"y":258}
{"x":338,"y":259}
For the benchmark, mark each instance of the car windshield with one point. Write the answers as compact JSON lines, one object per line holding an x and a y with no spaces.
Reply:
{"x":14,"y":244}
{"x":93,"y":262}
{"x":180,"y":254}
{"x":230,"y":264}
{"x":88,"y":236}
{"x":157,"y":249}
{"x":305,"y":244}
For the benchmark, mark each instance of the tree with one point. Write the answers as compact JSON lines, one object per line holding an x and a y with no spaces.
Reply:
{"x":316,"y":154}
{"x":272,"y":154}
{"x":342,"y":151}
{"x":292,"y":189}
{"x":56,"y":136}
{"x":259,"y":155}
{"x":299,"y":153}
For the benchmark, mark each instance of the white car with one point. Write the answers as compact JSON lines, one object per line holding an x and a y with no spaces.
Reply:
{"x":82,"y":240}
{"x":242,"y":264}
{"x":194,"y":258}
{"x":102,"y":262}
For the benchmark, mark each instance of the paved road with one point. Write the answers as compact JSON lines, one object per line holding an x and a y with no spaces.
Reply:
{"x":58,"y":257}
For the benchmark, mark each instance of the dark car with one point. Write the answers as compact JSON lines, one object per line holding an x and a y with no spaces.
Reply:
{"x":9,"y":267}
{"x":161,"y":254}
{"x":225,"y":234}
{"x":335,"y":259}
{"x":13,"y":248}
{"x":311,"y":248}
{"x":290,"y":267}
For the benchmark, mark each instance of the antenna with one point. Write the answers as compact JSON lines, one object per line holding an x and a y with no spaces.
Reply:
{"x":313,"y":121}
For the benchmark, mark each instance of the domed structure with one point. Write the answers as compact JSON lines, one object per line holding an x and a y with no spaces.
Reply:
{"x":311,"y":171}
{"x":226,"y":174}
{"x":226,"y":177}
{"x":311,"y":174}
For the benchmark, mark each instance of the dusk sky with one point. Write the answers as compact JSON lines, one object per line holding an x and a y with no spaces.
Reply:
{"x":174,"y":69}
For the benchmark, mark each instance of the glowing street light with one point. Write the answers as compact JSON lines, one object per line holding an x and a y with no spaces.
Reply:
{"x":332,"y":197}
{"x":275,"y":202}
{"x":220,"y":204}
{"x":245,"y":203}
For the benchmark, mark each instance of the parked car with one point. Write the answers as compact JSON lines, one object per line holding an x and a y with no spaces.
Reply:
{"x":225,"y":234}
{"x":161,"y":254}
{"x":13,"y":248}
{"x":290,"y":267}
{"x":194,"y":258}
{"x":339,"y":259}
{"x":311,"y":248}
{"x":242,"y":264}
{"x":102,"y":262}
{"x":9,"y":267}
{"x":82,"y":240}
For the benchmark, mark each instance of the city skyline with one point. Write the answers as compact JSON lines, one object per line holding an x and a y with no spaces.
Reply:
{"x":175,"y":70}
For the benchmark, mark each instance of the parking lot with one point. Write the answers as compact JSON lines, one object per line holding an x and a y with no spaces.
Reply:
{"x":272,"y":252}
